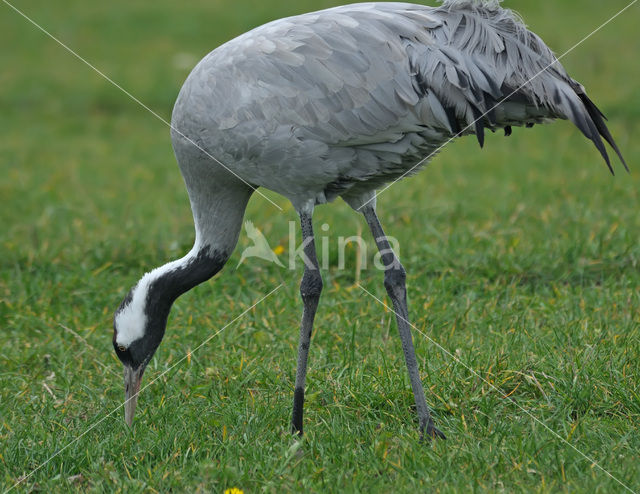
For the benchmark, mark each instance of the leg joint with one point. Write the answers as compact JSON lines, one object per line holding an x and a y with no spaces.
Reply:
{"x":395,"y":277}
{"x":311,"y":284}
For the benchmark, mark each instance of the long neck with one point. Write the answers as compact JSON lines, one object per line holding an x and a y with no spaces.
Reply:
{"x":168,"y":282}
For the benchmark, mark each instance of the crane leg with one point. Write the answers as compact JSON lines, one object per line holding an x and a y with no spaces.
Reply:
{"x":310,"y":289}
{"x":394,"y":282}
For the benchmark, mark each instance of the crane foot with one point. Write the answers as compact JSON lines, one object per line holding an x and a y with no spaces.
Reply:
{"x":431,"y":433}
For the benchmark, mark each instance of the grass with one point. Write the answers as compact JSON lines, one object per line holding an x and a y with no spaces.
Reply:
{"x":523,"y":261}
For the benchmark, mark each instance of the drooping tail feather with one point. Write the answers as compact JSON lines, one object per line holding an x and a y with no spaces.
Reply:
{"x":487,"y":70}
{"x":598,"y":119}
{"x":585,"y":123}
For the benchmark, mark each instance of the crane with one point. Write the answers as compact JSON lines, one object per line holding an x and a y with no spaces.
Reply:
{"x":338,"y":103}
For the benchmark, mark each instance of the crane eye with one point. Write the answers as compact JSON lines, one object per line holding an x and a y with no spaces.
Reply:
{"x":122,"y":348}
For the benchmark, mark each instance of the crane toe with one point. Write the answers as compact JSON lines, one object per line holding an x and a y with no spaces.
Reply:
{"x":432,"y":432}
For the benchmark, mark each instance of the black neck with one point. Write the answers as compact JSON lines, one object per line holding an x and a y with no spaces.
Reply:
{"x":195,"y":269}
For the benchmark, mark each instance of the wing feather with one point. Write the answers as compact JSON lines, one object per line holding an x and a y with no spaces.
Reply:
{"x":366,"y":91}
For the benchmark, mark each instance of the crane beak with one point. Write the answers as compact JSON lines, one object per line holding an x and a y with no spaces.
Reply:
{"x":132,"y":378}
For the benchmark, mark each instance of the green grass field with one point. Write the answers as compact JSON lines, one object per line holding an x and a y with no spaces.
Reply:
{"x":523,"y":262}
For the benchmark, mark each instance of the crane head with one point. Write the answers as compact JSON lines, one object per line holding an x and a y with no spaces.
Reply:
{"x":137,"y":333}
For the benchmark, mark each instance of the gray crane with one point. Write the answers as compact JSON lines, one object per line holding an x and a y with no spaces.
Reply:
{"x":338,"y":103}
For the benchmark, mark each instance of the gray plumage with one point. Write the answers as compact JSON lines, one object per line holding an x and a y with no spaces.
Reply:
{"x":338,"y":103}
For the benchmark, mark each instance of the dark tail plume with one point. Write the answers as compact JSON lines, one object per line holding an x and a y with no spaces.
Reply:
{"x":598,"y":119}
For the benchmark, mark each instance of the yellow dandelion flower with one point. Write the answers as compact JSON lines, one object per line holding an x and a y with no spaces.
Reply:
{"x":233,"y":490}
